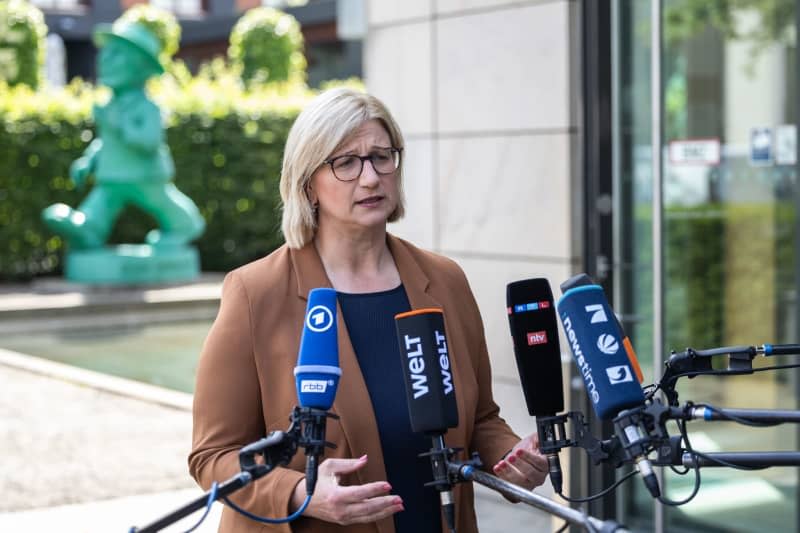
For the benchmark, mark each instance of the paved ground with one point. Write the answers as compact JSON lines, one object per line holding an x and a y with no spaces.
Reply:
{"x":85,"y":452}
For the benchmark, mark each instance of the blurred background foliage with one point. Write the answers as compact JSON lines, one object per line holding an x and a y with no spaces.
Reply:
{"x":771,"y":20}
{"x":266,"y":44}
{"x":22,"y":35}
{"x":226,"y":137}
{"x":227,"y":145}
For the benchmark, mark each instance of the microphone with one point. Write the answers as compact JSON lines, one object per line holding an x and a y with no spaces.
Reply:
{"x":317,"y":375}
{"x":595,"y":339}
{"x":430,"y":391}
{"x":534,"y":332}
{"x":584,"y":279}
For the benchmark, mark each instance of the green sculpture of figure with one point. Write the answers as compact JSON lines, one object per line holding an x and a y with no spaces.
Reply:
{"x":132,"y":165}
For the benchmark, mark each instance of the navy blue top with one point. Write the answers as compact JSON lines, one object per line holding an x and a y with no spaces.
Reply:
{"x":370,"y":323}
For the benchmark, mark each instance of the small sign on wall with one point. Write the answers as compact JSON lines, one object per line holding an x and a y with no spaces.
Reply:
{"x":761,"y":146}
{"x":786,"y":144}
{"x":701,"y":152}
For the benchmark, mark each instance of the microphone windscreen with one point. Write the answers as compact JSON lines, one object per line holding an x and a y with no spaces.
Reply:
{"x":596,"y":341}
{"x":584,"y":279}
{"x":317,"y":372}
{"x":427,"y":373}
{"x":534,"y":332}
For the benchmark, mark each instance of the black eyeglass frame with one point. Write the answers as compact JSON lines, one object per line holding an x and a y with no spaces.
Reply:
{"x":362,"y":158}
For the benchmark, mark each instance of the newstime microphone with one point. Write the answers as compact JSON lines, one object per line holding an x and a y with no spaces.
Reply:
{"x":430,"y":391}
{"x":596,"y":341}
{"x":317,"y":374}
{"x":534,"y":332}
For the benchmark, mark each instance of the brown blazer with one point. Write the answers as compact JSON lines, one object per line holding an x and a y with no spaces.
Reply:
{"x":246,"y":387}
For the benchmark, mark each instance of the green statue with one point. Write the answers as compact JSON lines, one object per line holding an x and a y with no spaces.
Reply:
{"x":131,"y":165}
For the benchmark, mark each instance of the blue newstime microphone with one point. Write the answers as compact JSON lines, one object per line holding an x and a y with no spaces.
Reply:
{"x":596,"y":341}
{"x":317,"y":373}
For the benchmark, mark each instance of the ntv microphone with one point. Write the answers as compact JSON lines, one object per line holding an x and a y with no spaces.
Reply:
{"x":430,"y":391}
{"x":317,"y":375}
{"x":534,"y":331}
{"x":595,"y":338}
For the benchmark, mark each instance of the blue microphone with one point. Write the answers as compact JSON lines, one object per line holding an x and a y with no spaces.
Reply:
{"x":317,"y":376}
{"x":597,"y":345}
{"x":317,"y":372}
{"x":596,"y":341}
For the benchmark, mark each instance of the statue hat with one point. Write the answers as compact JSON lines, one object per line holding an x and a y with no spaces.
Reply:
{"x":135,"y":35}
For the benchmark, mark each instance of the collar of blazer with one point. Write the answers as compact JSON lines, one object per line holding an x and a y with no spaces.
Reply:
{"x":352,"y":399}
{"x":311,"y":274}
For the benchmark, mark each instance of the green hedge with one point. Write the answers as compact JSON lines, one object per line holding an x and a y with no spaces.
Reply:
{"x":730,"y":273}
{"x":227,"y":145}
{"x":22,"y":42}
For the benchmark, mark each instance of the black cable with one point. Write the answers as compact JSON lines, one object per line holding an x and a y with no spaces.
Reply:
{"x":562,"y":528}
{"x":679,"y":472}
{"x":737,"y":419}
{"x":696,"y":489}
{"x":602,"y":492}
{"x":730,"y":372}
{"x":670,"y":382}
{"x":727,"y":463}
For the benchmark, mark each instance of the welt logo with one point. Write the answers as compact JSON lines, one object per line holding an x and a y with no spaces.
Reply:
{"x":537,"y":337}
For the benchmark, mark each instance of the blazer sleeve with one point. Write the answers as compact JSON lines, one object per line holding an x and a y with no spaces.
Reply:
{"x":227,"y":410}
{"x":492,"y":437}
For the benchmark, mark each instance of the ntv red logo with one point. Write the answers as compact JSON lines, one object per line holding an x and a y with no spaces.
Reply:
{"x":537,"y":337}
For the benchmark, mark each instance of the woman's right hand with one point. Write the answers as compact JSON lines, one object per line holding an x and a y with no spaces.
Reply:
{"x":343,"y":504}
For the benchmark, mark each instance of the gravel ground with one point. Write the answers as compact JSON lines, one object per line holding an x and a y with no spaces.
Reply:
{"x":64,"y":443}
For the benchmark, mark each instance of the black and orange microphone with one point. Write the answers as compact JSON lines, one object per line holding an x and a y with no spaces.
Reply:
{"x":430,"y":391}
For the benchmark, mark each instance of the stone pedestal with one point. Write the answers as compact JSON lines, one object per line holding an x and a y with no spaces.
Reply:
{"x":132,"y":264}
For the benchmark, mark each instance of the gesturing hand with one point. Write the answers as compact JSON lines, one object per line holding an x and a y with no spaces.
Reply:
{"x":524,"y":465}
{"x":347,"y":504}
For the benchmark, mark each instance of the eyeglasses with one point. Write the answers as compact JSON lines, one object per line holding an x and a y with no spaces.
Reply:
{"x":349,"y":167}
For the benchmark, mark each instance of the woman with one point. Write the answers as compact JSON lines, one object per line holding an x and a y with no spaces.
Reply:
{"x":341,"y":183}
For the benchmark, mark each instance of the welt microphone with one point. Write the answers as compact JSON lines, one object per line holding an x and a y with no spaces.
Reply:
{"x":595,"y":339}
{"x":430,"y":391}
{"x":534,"y":331}
{"x":317,"y":372}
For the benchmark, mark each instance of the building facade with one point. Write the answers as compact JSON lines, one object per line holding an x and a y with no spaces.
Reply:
{"x":205,"y":27}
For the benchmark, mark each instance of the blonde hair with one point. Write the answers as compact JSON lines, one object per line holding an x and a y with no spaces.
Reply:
{"x":318,"y":131}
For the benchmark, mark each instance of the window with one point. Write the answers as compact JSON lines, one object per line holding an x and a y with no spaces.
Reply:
{"x":181,"y":7}
{"x":64,"y":5}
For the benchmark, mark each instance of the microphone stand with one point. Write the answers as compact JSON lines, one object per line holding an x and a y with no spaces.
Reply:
{"x":277,"y":448}
{"x":277,"y":445}
{"x":469,"y":471}
{"x":440,"y":455}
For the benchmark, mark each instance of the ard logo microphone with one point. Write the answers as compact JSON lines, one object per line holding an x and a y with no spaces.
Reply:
{"x":317,"y":375}
{"x":317,"y":372}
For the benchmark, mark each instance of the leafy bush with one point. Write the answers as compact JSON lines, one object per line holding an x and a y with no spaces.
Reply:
{"x":227,"y":145}
{"x":730,"y":272}
{"x":22,"y":34}
{"x":266,"y":44}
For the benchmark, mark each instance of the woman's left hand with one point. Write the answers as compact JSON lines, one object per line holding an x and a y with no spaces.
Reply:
{"x":524,"y":465}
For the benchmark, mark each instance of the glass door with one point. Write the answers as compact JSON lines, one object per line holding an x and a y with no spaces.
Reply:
{"x":730,"y":231}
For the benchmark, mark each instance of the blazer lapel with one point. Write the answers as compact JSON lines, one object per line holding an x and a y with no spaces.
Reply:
{"x":414,"y":279}
{"x":352,"y":401}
